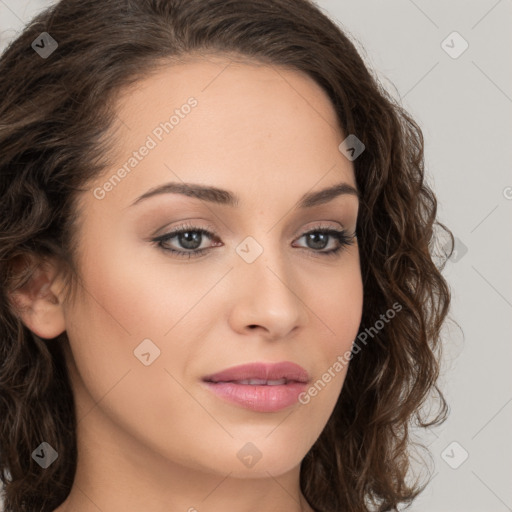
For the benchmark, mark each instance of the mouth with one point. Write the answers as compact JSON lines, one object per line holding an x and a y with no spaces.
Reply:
{"x":261,"y":387}
{"x":261,"y":374}
{"x":257,"y":382}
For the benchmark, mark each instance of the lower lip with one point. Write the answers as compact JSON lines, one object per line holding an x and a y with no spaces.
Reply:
{"x":258,"y":398}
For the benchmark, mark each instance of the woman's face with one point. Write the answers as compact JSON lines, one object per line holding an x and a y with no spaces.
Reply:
{"x":149,"y":326}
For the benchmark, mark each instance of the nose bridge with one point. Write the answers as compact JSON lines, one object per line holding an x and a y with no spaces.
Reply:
{"x":263,"y":259}
{"x":267,"y":293}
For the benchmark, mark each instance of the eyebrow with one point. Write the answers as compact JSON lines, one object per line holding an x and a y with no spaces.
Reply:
{"x":227,"y":198}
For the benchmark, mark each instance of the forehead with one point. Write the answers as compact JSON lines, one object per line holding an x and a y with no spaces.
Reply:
{"x":238,"y":125}
{"x":222,"y":80}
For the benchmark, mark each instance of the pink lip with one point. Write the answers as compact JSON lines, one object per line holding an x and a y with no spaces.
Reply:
{"x":264,"y":397}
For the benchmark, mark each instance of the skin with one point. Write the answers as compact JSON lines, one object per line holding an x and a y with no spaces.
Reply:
{"x":151,"y":437}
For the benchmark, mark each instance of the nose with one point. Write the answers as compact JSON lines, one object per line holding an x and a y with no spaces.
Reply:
{"x":267,"y":297}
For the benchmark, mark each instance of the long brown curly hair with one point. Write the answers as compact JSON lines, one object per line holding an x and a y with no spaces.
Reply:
{"x":55,"y":117}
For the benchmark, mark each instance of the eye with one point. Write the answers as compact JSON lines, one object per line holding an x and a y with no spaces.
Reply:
{"x":319,"y":238}
{"x":190,"y":238}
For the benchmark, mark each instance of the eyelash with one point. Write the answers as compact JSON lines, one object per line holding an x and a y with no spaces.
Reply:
{"x":342,"y":236}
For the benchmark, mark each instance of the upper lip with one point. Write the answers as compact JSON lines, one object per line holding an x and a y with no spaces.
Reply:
{"x":265,"y":371}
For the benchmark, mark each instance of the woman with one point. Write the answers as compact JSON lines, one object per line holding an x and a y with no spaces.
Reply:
{"x":218,"y":291}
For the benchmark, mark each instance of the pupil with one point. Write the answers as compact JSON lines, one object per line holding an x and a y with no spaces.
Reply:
{"x":190,"y":239}
{"x":318,"y":245}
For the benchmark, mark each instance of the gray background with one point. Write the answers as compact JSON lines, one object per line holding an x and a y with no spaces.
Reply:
{"x":463,"y":106}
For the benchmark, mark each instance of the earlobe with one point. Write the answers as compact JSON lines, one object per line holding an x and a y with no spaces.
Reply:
{"x":38,"y":305}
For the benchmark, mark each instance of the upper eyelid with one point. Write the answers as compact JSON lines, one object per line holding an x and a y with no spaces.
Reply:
{"x":210,"y":230}
{"x":211,"y":234}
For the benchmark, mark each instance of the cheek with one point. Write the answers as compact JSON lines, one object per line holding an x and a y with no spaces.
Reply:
{"x":336,"y":303}
{"x":340,"y":309}
{"x":337,"y":307}
{"x":124,"y":302}
{"x":114,"y":312}
{"x":117,"y":310}
{"x":128,"y":295}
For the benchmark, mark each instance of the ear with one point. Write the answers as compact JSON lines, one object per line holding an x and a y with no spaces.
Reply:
{"x":38,"y":303}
